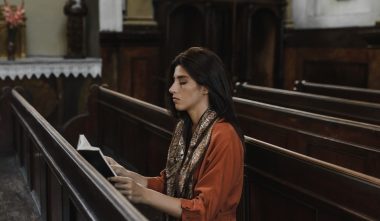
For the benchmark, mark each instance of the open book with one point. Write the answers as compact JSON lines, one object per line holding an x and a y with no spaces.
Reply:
{"x":94,"y":156}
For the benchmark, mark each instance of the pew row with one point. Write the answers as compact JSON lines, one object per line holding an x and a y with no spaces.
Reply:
{"x":326,"y":138}
{"x":132,"y":130}
{"x":279,"y":184}
{"x":284,"y":185}
{"x":135,"y":133}
{"x":334,"y":128}
{"x":64,"y":185}
{"x":352,"y":93}
{"x":326,"y":105}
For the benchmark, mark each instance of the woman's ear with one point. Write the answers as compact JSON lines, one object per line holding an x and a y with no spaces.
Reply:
{"x":204,"y":90}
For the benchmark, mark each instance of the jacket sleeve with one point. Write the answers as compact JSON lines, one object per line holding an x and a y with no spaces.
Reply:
{"x":220,"y":178}
{"x":157,"y":183}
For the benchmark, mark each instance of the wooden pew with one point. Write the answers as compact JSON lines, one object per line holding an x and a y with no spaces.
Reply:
{"x":279,"y":184}
{"x":283,"y":185}
{"x":64,"y":185}
{"x":326,"y":105}
{"x":124,"y":127}
{"x":335,"y":128}
{"x":135,"y":133}
{"x":342,"y":142}
{"x":353,"y":93}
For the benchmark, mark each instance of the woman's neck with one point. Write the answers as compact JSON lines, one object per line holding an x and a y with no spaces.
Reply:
{"x":196,"y":115}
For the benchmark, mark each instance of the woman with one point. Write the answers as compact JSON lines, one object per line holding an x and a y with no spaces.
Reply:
{"x":203,"y":177}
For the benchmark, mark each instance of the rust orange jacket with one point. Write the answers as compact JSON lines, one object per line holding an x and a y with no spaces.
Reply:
{"x":218,"y":179}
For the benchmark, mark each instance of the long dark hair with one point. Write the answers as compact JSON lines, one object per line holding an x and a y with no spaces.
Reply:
{"x":207,"y":69}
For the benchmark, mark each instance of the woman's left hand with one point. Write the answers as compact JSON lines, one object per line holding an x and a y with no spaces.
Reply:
{"x":133,"y":191}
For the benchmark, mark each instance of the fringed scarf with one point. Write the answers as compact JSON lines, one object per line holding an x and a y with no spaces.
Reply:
{"x":180,"y":167}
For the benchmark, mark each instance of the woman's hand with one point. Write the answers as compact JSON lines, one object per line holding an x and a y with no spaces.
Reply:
{"x":121,"y":171}
{"x":132,"y":190}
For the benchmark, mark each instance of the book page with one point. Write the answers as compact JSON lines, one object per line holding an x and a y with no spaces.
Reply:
{"x":83,"y":144}
{"x":94,"y":156}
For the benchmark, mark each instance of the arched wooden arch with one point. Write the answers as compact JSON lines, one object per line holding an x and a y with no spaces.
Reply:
{"x":185,"y":28}
{"x":262,"y":44}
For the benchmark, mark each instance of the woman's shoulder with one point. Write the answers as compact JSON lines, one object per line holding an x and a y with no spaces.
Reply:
{"x":225,"y":130}
{"x":225,"y":140}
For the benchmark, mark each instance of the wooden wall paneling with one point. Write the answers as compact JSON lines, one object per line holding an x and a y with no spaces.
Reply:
{"x":258,"y":43}
{"x":182,"y":24}
{"x":334,"y":72}
{"x":109,"y":66}
{"x":262,"y":32}
{"x":220,"y":32}
{"x":131,"y":61}
{"x":342,"y":56}
{"x":140,"y":76}
{"x":186,"y":24}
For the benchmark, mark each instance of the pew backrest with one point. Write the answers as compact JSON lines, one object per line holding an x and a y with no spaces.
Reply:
{"x":284,"y":185}
{"x":65,"y":185}
{"x":353,"y":93}
{"x":134,"y":130}
{"x":355,"y":157}
{"x":325,"y":105}
{"x":354,"y":132}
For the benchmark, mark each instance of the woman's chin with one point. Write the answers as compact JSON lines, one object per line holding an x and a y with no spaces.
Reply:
{"x":179,"y":107}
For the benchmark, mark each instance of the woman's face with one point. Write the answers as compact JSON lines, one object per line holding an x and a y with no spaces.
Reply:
{"x":187,"y":94}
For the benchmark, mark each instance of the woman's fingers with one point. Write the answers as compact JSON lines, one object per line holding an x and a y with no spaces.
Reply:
{"x":110,"y":160}
{"x":120,"y":179}
{"x":128,"y":187}
{"x":119,"y":170}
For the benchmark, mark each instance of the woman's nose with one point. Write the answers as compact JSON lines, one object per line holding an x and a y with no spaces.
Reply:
{"x":172,"y":88}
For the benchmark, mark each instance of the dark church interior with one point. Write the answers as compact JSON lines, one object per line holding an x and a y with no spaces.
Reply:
{"x":305,"y":78}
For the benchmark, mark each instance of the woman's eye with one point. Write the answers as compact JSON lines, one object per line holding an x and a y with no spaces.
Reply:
{"x":182,"y":82}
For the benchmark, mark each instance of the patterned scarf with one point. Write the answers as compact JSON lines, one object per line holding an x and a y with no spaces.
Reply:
{"x":180,"y":167}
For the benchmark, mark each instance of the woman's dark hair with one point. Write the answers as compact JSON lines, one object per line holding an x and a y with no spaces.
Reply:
{"x":207,"y":69}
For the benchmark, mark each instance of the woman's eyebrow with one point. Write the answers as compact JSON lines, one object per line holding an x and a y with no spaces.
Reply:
{"x":179,"y":77}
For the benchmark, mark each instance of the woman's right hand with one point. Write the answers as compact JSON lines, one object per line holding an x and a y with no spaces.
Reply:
{"x":121,"y":171}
